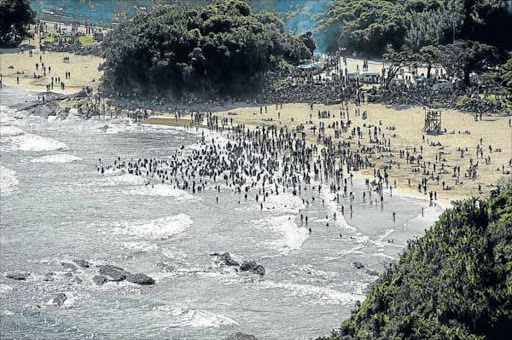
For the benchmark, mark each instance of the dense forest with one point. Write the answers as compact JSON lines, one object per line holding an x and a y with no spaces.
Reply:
{"x":223,"y":48}
{"x":368,"y":26}
{"x":453,"y":283}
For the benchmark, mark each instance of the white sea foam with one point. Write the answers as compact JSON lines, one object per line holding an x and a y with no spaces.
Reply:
{"x":9,"y":131}
{"x":158,"y":228}
{"x":162,"y":190}
{"x":291,"y":236}
{"x":56,"y":159}
{"x":31,"y":142}
{"x":284,"y":202}
{"x":140,"y":246}
{"x":195,"y":318}
{"x":8,"y":181}
{"x":5,"y":289}
{"x":123,"y":179}
{"x":319,"y":295}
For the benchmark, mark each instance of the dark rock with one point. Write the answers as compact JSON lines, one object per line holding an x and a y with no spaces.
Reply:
{"x":59,"y":299}
{"x":260,"y":270}
{"x":83,"y":263}
{"x":358,"y":265}
{"x":372,"y":272}
{"x":248,"y":266}
{"x":241,"y":336}
{"x":140,"y":279}
{"x":48,"y":277}
{"x":69,"y":266}
{"x":100,"y":280}
{"x":253,"y":267}
{"x":227,"y":260}
{"x":114,"y":273}
{"x":20,"y":276}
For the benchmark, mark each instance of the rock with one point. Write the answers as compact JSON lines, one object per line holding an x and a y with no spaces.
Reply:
{"x":114,"y":273}
{"x":248,"y":266}
{"x":241,"y":336}
{"x":83,"y":263}
{"x":253,"y":267}
{"x":59,"y":299}
{"x":358,"y":265}
{"x":140,"y":279}
{"x":100,"y":280}
{"x":372,"y":272}
{"x":260,"y":270}
{"x":20,"y":276}
{"x":227,"y":260}
{"x":69,"y":266}
{"x":48,"y":277}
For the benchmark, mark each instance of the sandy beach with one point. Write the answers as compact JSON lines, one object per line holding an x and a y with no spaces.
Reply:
{"x":461,"y":129}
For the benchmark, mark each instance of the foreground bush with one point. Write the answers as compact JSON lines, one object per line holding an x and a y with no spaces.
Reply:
{"x":453,"y":283}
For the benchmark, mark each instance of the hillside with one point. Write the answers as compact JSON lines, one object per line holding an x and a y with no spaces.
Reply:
{"x":453,"y":283}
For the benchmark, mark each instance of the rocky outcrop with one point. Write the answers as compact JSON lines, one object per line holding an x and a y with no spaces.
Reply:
{"x":253,"y":267}
{"x":17,"y":275}
{"x":227,"y":260}
{"x":112,"y":272}
{"x":109,"y":272}
{"x":140,"y":279}
{"x":358,"y":265}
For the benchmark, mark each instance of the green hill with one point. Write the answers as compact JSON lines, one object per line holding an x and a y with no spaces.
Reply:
{"x":453,"y":283}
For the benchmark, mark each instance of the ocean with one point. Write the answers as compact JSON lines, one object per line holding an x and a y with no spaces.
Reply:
{"x":56,"y":207}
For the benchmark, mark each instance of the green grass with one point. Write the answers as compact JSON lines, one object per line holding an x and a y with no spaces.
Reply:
{"x":88,"y":40}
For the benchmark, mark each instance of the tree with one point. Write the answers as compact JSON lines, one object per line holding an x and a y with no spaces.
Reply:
{"x":398,"y":60}
{"x":15,"y":15}
{"x":464,"y":57}
{"x":219,"y":49}
{"x":429,"y":55}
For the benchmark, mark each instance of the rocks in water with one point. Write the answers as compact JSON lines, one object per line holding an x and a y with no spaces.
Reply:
{"x":114,"y":273}
{"x":358,"y":265}
{"x":241,"y":336}
{"x":253,"y":267}
{"x":83,"y":263}
{"x":100,"y":280}
{"x":260,"y":270}
{"x":48,"y":276}
{"x":140,"y":279}
{"x":69,"y":266}
{"x":109,"y":272}
{"x":227,"y":260}
{"x":18,"y":275}
{"x":59,"y":299}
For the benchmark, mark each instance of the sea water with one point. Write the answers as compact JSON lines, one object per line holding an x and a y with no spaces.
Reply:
{"x":56,"y":207}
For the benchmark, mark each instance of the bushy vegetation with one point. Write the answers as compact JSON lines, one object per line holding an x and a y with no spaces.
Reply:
{"x":453,"y":283}
{"x":222,"y":48}
{"x":368,"y":26}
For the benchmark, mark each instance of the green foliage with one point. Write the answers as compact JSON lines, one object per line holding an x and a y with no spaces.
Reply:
{"x":453,"y":283}
{"x":220,"y":48}
{"x":15,"y":16}
{"x":368,"y":26}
